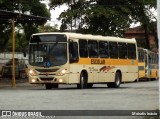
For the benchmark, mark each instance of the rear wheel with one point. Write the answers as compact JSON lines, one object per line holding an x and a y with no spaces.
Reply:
{"x":117,"y":82}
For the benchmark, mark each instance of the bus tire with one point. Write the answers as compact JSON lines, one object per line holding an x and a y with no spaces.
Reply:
{"x":117,"y":82}
{"x":83,"y":81}
{"x":89,"y":85}
{"x":54,"y":85}
{"x":48,"y":86}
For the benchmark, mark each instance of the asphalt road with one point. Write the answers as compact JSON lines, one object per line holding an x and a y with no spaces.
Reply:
{"x":130,"y":96}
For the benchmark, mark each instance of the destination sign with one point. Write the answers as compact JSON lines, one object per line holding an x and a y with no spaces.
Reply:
{"x":49,"y":38}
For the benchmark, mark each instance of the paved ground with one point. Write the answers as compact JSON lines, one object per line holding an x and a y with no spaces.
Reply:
{"x":130,"y":96}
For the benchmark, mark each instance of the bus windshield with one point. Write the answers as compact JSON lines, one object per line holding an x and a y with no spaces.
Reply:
{"x":47,"y":54}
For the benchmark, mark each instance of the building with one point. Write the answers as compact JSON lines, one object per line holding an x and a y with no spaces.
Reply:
{"x":139,"y":34}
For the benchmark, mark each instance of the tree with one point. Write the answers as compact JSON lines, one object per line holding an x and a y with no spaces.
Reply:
{"x":21,"y":43}
{"x":48,"y":28}
{"x":22,"y":6}
{"x":5,"y":35}
{"x":106,"y":17}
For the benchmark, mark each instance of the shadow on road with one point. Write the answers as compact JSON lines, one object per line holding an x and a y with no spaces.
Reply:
{"x":22,"y":84}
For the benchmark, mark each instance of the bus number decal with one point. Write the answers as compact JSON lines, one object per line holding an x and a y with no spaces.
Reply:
{"x":39,"y":59}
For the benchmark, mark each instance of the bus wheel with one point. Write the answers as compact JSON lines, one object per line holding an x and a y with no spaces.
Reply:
{"x":83,"y":82}
{"x":54,"y":85}
{"x":89,"y":85}
{"x":117,"y":82}
{"x":48,"y":86}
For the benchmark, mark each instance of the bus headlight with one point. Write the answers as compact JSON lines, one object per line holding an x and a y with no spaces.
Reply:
{"x":33,"y":80}
{"x":62,"y":72}
{"x":32,"y":72}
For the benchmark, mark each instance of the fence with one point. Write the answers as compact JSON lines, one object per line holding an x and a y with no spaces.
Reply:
{"x":6,"y":58}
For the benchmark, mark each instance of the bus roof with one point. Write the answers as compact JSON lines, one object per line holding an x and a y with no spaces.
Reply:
{"x":91,"y":37}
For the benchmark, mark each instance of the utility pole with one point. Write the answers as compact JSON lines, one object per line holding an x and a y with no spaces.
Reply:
{"x":13,"y":51}
{"x":158,"y":26}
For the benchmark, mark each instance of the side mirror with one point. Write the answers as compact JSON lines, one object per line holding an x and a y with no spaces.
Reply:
{"x":24,"y":52}
{"x":73,"y":52}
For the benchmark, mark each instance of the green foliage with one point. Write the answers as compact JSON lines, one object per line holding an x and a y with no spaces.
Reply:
{"x":39,"y":9}
{"x":5,"y":35}
{"x":48,"y":28}
{"x":21,"y":43}
{"x":104,"y":17}
{"x":34,"y":7}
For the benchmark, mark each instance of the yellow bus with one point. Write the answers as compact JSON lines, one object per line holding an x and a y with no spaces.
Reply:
{"x":148,"y":64}
{"x":151,"y":64}
{"x":72,"y":58}
{"x":141,"y":64}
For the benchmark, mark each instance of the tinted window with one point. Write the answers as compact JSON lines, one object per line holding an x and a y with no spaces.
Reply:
{"x":83,"y":50}
{"x":103,"y":49}
{"x":93,"y":48}
{"x":122,"y":50}
{"x":73,"y":51}
{"x":48,"y":54}
{"x":152,"y":58}
{"x":157,"y":58}
{"x":140,"y":55}
{"x":113,"y":49}
{"x":131,"y":51}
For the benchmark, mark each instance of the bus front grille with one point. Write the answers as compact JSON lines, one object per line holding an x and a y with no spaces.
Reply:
{"x":47,"y":70}
{"x":46,"y":79}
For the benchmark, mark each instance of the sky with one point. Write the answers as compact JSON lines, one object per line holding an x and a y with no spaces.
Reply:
{"x":55,"y":14}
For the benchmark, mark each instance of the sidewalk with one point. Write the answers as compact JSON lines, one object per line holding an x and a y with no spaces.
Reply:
{"x":7,"y":82}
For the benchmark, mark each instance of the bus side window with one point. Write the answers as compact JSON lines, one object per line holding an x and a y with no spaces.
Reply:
{"x":141,"y":55}
{"x":93,"y":49}
{"x":131,"y":51}
{"x":83,"y":50}
{"x":73,"y":52}
{"x":113,"y":50}
{"x":157,"y":59}
{"x":122,"y":50}
{"x":103,"y":49}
